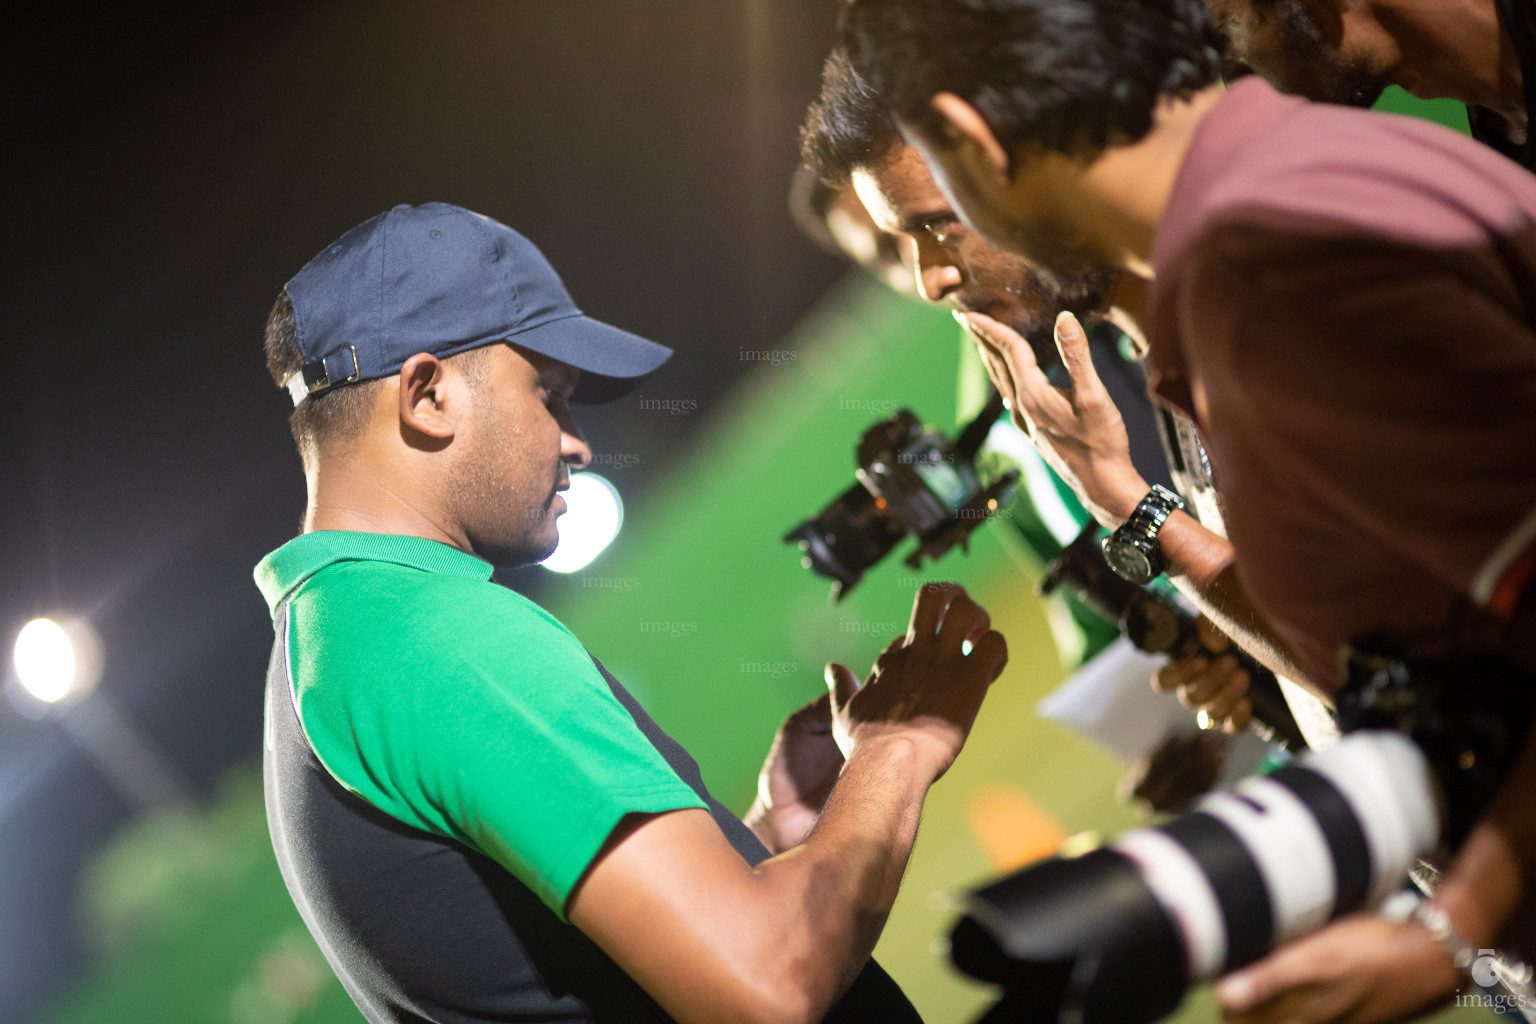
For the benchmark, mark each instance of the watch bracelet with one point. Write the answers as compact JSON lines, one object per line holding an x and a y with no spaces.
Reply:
{"x":1146,"y":520}
{"x":1408,"y":907}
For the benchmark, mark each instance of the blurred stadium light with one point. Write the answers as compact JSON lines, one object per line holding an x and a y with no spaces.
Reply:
{"x":594,"y":513}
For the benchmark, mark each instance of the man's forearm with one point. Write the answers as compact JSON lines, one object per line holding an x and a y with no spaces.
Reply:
{"x":838,"y":886}
{"x":712,"y":939}
{"x":1199,"y":563}
{"x":1492,"y":872}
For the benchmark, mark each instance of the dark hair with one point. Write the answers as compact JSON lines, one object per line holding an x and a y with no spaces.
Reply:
{"x":333,"y":417}
{"x":847,"y":127}
{"x":1061,"y":75}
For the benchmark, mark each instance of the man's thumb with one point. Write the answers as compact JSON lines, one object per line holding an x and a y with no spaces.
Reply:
{"x":842,"y":682}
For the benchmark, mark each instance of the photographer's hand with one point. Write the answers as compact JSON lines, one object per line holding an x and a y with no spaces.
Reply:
{"x":713,"y":938}
{"x":1360,"y":970}
{"x":1183,"y":768}
{"x":797,"y":777}
{"x":1079,"y":433}
{"x":1210,"y":681}
{"x":923,"y":689}
{"x":1077,"y":430}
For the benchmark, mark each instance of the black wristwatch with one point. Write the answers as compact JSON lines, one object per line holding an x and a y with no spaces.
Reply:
{"x":1133,"y":551}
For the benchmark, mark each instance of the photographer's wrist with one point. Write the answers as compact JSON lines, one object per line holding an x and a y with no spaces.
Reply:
{"x":1466,"y":914}
{"x":1122,"y":498}
{"x":901,"y":750}
{"x":1432,"y":918}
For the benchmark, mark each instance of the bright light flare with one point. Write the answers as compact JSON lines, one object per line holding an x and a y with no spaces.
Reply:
{"x":45,"y":660}
{"x":594,"y":513}
{"x":57,"y":658}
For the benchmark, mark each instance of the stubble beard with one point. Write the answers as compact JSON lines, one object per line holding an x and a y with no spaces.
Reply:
{"x":1066,"y":278}
{"x":505,"y":524}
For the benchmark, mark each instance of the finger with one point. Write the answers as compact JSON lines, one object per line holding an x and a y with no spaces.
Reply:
{"x":1238,"y":720}
{"x":1004,"y":341}
{"x":1009,"y":347}
{"x":1072,"y":343}
{"x":1203,"y":693}
{"x":842,"y":684}
{"x":1211,"y":636}
{"x":928,"y":608}
{"x":1036,"y":398}
{"x":1170,"y":677}
{"x":964,"y":619}
{"x":1308,"y":1004}
{"x":1269,"y":978}
{"x":990,"y":653}
{"x":1226,"y":699}
{"x":1202,"y":687}
{"x":997,"y":372}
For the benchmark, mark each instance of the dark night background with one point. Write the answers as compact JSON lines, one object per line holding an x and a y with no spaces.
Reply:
{"x":168,"y":169}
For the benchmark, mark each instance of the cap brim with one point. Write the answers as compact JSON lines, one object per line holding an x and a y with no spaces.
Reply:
{"x":612,"y":362}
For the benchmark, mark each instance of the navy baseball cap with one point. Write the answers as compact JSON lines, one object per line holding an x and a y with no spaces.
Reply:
{"x":438,"y":278}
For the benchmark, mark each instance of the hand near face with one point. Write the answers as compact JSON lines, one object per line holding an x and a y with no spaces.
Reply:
{"x":1360,"y":970}
{"x":1077,"y":430}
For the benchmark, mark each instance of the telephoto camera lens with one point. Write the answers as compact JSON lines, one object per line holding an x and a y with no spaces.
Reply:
{"x":1117,"y":935}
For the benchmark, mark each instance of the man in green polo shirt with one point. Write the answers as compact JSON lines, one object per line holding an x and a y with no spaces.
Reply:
{"x":477,"y":821}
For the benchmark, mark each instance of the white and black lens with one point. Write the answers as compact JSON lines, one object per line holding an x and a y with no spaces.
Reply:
{"x":1120,"y":933}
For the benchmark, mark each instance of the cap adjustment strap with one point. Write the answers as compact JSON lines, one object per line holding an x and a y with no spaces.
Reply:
{"x":323,"y":374}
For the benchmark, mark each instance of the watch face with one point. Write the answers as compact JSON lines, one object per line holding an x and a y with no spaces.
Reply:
{"x":1128,"y":561}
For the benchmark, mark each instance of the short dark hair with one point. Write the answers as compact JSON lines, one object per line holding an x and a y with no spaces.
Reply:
{"x":848,"y":126}
{"x":333,"y":417}
{"x":1060,"y":75}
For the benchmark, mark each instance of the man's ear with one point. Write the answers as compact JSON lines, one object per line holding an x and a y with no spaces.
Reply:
{"x":423,"y":409}
{"x":973,"y":130}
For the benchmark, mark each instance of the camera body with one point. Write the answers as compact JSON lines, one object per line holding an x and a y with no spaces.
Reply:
{"x":912,"y":481}
{"x":1156,"y":623}
{"x":1469,"y":714}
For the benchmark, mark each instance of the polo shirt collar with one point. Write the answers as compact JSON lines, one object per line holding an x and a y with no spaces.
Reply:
{"x":280,"y":573}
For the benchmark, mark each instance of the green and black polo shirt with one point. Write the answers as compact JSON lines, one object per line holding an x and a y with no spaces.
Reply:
{"x":443,"y":759}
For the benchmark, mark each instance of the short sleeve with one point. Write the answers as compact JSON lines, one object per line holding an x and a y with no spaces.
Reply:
{"x":463,"y":709}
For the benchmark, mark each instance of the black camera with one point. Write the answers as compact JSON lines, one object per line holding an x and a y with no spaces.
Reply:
{"x":912,"y":482}
{"x":1468,"y":713}
{"x":1156,"y":623}
{"x":1120,"y":933}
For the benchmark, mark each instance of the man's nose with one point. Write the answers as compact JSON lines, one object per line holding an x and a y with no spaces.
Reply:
{"x":937,"y":278}
{"x":574,"y":449}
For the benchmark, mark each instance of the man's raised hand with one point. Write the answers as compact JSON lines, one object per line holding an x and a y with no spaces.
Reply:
{"x":923,"y":688}
{"x":1077,"y":430}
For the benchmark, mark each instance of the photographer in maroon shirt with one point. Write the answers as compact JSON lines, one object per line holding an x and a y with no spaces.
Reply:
{"x":1341,"y":299}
